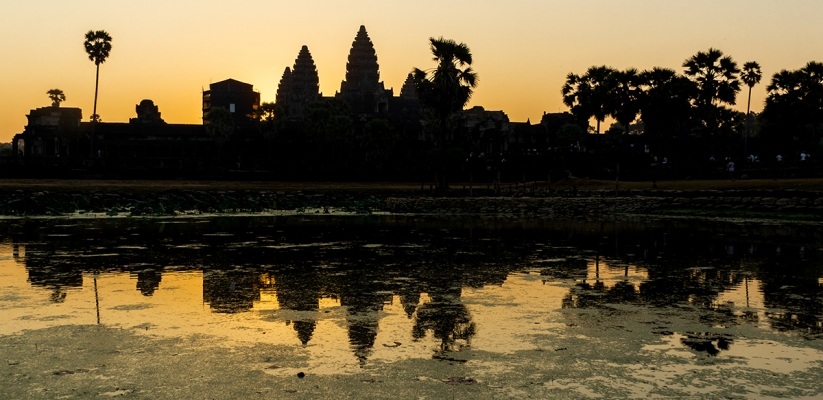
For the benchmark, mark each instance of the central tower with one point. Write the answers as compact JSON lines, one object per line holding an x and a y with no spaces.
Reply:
{"x":362,"y":88}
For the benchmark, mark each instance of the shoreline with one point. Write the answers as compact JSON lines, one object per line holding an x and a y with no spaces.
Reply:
{"x":104,"y":199}
{"x":140,"y":186}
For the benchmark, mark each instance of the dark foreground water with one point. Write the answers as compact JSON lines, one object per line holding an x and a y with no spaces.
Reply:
{"x":509,"y":307}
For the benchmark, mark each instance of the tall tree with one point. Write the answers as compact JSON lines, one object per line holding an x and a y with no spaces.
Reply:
{"x":590,"y":95}
{"x":443,"y":91}
{"x":447,"y":88}
{"x":57,"y":96}
{"x":220,"y":126}
{"x":813,"y":81}
{"x":794,"y":106}
{"x":623,"y":105}
{"x":716,"y":78}
{"x":627,"y":94}
{"x":666,"y":105}
{"x":271,"y":117}
{"x":751,"y":76}
{"x":98,"y":47}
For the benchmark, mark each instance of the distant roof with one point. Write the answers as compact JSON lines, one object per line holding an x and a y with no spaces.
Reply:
{"x":231,"y":85}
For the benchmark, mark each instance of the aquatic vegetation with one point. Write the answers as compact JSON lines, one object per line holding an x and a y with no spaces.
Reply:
{"x":30,"y":203}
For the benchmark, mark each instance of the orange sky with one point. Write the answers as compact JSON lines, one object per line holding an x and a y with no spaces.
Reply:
{"x":168,"y":50}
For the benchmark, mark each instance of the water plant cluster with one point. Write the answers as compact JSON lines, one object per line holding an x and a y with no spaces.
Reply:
{"x":174,"y":202}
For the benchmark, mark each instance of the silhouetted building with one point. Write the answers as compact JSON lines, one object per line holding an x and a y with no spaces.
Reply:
{"x":299,"y":86}
{"x":408,"y":91}
{"x":237,"y":97}
{"x":526,"y":137}
{"x":488,"y":131}
{"x":147,"y":113}
{"x":50,"y":131}
{"x":362,"y":88}
{"x":554,"y":121}
{"x":56,"y":137}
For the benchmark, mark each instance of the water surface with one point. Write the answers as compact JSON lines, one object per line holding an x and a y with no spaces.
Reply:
{"x":658,"y":300}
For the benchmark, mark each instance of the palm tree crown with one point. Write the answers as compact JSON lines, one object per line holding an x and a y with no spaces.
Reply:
{"x":447,"y":88}
{"x":715,"y":76}
{"x":666,"y":105}
{"x":589,"y":95}
{"x":751,"y":73}
{"x":795,"y":102}
{"x":98,"y":46}
{"x":57,"y":96}
{"x":625,"y":102}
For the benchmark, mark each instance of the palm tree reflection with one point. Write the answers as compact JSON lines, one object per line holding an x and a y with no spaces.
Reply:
{"x":447,"y":318}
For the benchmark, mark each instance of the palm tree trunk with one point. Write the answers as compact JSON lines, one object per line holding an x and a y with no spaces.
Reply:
{"x":748,"y":111}
{"x":94,"y":119}
{"x":96,"y":299}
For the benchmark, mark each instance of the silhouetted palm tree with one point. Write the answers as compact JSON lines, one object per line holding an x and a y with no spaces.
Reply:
{"x":98,"y":47}
{"x":666,"y":101}
{"x":624,"y":105}
{"x":626,"y":96}
{"x":813,"y":81}
{"x":716,"y":78}
{"x":57,"y":96}
{"x":590,"y":94}
{"x":272,"y":117}
{"x":446,"y":89}
{"x":751,"y":76}
{"x":795,"y":104}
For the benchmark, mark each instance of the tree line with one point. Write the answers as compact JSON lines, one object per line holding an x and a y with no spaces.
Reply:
{"x":697,"y":103}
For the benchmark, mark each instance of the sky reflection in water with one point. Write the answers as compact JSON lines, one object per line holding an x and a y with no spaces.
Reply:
{"x":353,"y":290}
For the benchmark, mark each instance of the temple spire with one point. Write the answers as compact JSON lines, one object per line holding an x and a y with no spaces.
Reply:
{"x":362,"y":88}
{"x":408,"y":91}
{"x":284,"y":88}
{"x":300,"y":86}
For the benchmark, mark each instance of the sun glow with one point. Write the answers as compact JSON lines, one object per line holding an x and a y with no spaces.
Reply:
{"x":168,"y":51}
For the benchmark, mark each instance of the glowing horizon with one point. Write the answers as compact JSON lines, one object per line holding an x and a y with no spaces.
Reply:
{"x":169,"y":51}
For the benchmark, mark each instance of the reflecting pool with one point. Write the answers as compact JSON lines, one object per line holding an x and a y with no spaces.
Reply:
{"x":510,"y":306}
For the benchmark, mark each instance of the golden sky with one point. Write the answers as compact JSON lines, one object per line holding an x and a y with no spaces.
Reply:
{"x":168,"y":50}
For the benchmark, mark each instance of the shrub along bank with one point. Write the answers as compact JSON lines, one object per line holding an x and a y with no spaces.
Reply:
{"x":563,"y":204}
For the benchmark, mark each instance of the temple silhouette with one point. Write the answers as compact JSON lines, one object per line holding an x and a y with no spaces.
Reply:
{"x":380,"y":129}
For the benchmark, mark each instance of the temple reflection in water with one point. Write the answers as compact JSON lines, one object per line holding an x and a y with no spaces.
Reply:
{"x":360,"y":272}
